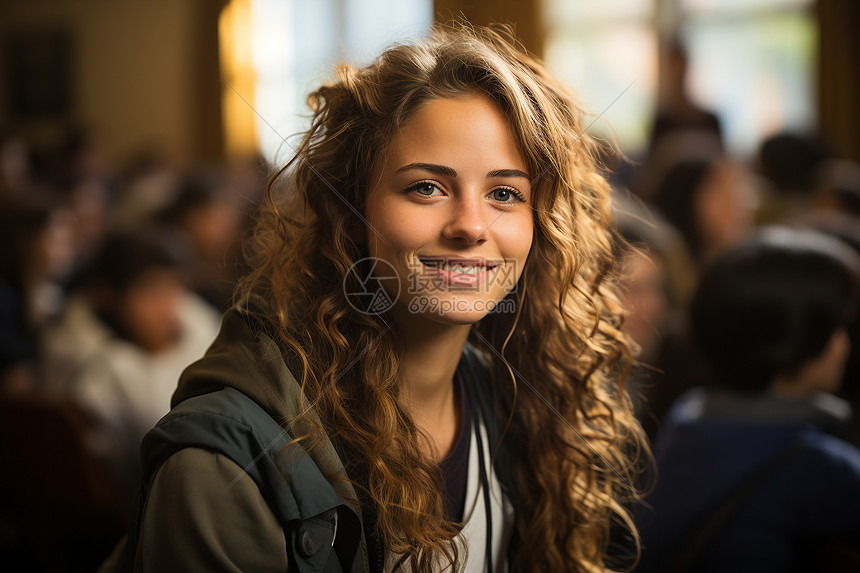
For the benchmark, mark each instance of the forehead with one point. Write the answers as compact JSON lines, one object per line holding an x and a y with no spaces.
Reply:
{"x":469,"y":132}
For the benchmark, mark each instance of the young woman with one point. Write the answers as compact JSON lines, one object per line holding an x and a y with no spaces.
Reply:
{"x":423,"y":371}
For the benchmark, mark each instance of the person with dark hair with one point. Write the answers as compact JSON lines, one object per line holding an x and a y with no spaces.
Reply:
{"x":123,"y":341}
{"x":704,"y":197}
{"x":838,"y":188}
{"x":750,"y":477}
{"x":34,"y":234}
{"x":846,"y":228}
{"x":676,"y":111}
{"x":206,"y":216}
{"x":791,"y":164}
{"x":705,"y":200}
{"x":17,"y":175}
{"x":791,"y":161}
{"x":655,"y":288}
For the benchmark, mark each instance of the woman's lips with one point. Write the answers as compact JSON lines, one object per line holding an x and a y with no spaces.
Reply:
{"x":458,"y":272}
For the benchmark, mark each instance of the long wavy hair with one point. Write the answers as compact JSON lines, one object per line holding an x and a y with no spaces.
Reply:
{"x":558,"y":363}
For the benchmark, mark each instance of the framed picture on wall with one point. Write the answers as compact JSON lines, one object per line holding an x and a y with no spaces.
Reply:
{"x":38,"y":74}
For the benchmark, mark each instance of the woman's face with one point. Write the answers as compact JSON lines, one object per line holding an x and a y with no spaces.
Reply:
{"x":450,"y":211}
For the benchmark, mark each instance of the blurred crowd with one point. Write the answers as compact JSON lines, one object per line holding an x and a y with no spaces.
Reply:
{"x":742,"y":292}
{"x":112,"y":280}
{"x":741,"y":287}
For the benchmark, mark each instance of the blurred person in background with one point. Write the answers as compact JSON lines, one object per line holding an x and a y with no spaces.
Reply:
{"x":82,"y":159}
{"x":122,"y":342}
{"x":148,"y":185}
{"x":82,"y":169}
{"x":16,"y":165}
{"x":838,"y":188}
{"x":708,"y":202}
{"x":655,"y":289}
{"x":35,"y":234}
{"x":750,"y":478}
{"x":790,"y":164}
{"x":644,"y":297}
{"x":676,"y":111}
{"x":661,"y":258}
{"x":846,"y":228}
{"x":706,"y":198}
{"x":246,"y":186}
{"x":206,"y":214}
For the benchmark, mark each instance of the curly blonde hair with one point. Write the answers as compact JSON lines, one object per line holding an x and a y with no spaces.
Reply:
{"x":572,"y":431}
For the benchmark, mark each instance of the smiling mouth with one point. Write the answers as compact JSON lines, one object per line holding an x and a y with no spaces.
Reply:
{"x":465,"y":267}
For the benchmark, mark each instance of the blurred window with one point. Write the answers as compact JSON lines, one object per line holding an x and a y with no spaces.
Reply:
{"x":607,"y":52}
{"x":296,"y":43}
{"x":750,"y":61}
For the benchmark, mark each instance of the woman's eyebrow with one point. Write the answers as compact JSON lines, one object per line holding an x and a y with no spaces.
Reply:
{"x":508,"y":173}
{"x":445,"y":170}
{"x":431,"y":167}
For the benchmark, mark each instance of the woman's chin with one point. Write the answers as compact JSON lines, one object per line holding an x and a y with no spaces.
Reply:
{"x":460,"y":318}
{"x":455,"y":312}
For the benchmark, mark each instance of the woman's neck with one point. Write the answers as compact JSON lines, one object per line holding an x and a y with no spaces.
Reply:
{"x":430,"y":353}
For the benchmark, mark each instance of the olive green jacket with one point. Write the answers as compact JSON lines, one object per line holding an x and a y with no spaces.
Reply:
{"x":224,"y":489}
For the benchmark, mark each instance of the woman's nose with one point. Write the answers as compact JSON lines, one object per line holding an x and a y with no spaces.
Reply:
{"x":466,"y":220}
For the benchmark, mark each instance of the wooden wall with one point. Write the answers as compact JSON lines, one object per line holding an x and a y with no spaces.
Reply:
{"x":523,"y":14}
{"x":141,"y":73}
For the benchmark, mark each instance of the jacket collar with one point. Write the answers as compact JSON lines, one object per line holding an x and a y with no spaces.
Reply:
{"x":243,"y":356}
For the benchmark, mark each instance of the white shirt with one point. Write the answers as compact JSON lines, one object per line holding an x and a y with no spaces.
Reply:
{"x":124,"y":388}
{"x":472,"y":538}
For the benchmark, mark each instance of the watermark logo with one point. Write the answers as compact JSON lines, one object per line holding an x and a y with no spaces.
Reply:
{"x":436,"y":305}
{"x":365,"y":281}
{"x":493,"y":273}
{"x":363,"y":285}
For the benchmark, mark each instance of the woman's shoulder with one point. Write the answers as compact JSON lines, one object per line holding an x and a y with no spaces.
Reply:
{"x":205,"y":513}
{"x":228,"y":440}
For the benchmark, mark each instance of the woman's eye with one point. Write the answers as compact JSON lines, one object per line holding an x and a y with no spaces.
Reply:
{"x":426,"y":189}
{"x":505,"y":195}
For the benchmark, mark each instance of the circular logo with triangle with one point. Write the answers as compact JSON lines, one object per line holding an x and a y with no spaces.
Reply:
{"x":362,"y":285}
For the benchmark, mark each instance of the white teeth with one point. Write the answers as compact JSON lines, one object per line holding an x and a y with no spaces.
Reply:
{"x":456,"y":267}
{"x":465,"y":270}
